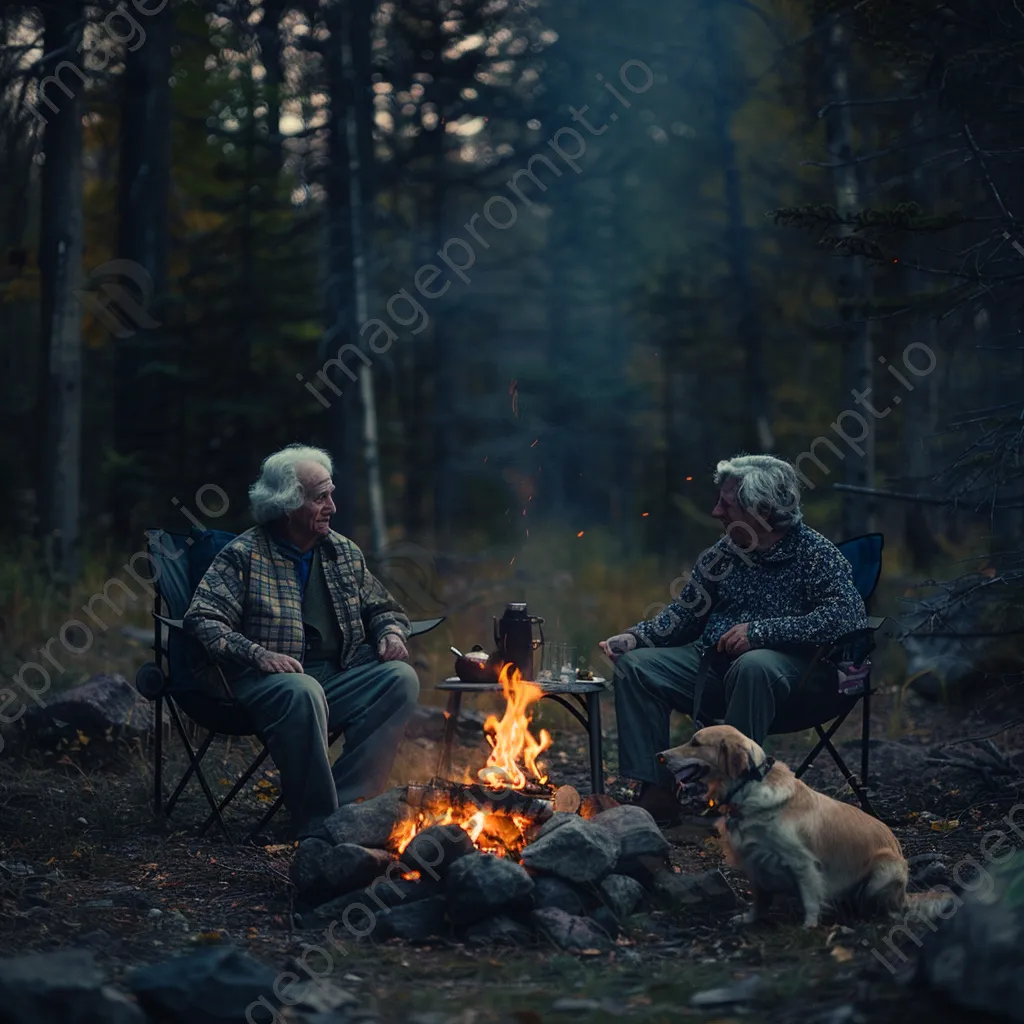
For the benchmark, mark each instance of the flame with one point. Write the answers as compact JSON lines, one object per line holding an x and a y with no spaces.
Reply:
{"x":510,"y":738}
{"x":511,"y":764}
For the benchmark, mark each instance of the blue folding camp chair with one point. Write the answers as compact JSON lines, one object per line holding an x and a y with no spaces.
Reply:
{"x":812,"y":705}
{"x":183,"y":678}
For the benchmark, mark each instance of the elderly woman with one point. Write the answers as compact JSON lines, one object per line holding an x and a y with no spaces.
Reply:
{"x":742,"y":632}
{"x":312,"y":641}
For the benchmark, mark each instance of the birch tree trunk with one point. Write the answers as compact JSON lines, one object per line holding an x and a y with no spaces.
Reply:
{"x":853,"y":286}
{"x":60,"y":262}
{"x":355,"y":44}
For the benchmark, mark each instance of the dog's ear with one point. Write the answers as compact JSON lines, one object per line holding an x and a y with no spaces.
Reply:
{"x":733,"y":760}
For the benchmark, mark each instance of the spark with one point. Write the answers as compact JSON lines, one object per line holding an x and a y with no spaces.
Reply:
{"x":513,"y":559}
{"x":580,"y":534}
{"x":644,"y":515}
{"x":689,"y":478}
{"x":535,"y":443}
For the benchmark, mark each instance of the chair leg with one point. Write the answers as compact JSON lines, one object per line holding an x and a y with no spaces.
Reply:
{"x":194,"y":755}
{"x":594,"y":735}
{"x":158,"y":762}
{"x":865,"y":735}
{"x":197,"y":768}
{"x":825,"y":737}
{"x":851,"y":779}
{"x":242,"y":780}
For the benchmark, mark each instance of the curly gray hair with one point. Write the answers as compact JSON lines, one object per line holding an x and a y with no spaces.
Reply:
{"x":767,"y":486}
{"x":278,"y":490}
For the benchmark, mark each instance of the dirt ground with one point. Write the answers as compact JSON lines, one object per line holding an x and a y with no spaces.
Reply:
{"x":83,"y":865}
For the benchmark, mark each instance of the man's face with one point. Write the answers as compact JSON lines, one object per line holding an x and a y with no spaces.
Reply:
{"x":313,"y":518}
{"x":741,"y":525}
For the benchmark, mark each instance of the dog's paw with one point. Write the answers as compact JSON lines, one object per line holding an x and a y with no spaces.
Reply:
{"x":748,"y":917}
{"x":810,"y":923}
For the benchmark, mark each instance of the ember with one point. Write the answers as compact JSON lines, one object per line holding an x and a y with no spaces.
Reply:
{"x":498,"y":809}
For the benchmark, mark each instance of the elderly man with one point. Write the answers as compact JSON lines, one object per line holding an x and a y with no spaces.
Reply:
{"x":741,"y":633}
{"x":313,"y":641}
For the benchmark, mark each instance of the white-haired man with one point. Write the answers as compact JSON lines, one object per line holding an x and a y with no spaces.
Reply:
{"x":315,"y":641}
{"x":741,"y":633}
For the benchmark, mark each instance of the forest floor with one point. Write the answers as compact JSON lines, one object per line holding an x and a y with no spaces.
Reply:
{"x":111,"y":883}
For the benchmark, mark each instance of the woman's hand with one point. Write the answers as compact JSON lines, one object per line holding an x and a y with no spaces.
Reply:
{"x":734,"y":641}
{"x":616,"y":646}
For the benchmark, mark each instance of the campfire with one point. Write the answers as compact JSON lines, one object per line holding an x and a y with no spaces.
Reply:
{"x":511,"y":791}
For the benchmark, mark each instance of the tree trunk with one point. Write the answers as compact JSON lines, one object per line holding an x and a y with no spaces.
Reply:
{"x":142,"y":403}
{"x":757,"y":419}
{"x":60,"y":262}
{"x":355,"y":46}
{"x":853,"y":285}
{"x":338,"y":316}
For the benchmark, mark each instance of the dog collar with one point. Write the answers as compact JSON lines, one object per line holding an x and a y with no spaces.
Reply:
{"x":754,"y":773}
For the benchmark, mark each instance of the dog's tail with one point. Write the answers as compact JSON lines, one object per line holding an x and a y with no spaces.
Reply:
{"x":932,"y":904}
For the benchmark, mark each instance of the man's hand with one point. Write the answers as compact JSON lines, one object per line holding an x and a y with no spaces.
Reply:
{"x":391,"y":648}
{"x":271,"y":662}
{"x":616,"y":646}
{"x":734,"y":641}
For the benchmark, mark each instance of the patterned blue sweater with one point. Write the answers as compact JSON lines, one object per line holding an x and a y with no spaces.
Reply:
{"x":799,"y":592}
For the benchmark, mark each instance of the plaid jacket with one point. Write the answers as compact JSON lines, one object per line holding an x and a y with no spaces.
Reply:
{"x":248,"y":602}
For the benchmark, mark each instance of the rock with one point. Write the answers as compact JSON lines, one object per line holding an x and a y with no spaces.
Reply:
{"x":321,"y":996}
{"x":215,"y":986}
{"x":424,"y":919}
{"x":728,"y":995}
{"x":370,"y":822}
{"x":321,"y":871}
{"x":973,"y":953}
{"x":644,"y":868}
{"x":575,"y":1006}
{"x":557,"y":820}
{"x":433,"y":851}
{"x":483,"y":884}
{"x":384,"y":893}
{"x":708,"y":891}
{"x":106,"y":703}
{"x":568,"y":931}
{"x":549,"y":891}
{"x":635,"y":830}
{"x":499,"y":931}
{"x":60,"y":988}
{"x":622,"y":894}
{"x":576,"y":850}
{"x":607,"y":921}
{"x":595,"y":803}
{"x":928,"y":869}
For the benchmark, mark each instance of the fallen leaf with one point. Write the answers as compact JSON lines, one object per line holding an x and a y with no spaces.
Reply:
{"x":841,"y":954}
{"x":945,"y":826}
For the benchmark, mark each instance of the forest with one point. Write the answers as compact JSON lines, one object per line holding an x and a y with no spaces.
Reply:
{"x":528,"y":270}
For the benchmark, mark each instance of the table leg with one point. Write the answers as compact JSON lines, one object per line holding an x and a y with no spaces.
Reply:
{"x":596,"y":754}
{"x":444,"y":761}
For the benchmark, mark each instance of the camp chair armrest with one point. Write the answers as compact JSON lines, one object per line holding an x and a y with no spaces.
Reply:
{"x":172,"y":623}
{"x":201,"y":664}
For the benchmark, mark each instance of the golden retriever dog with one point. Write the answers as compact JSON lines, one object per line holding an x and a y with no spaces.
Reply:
{"x":785,"y":837}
